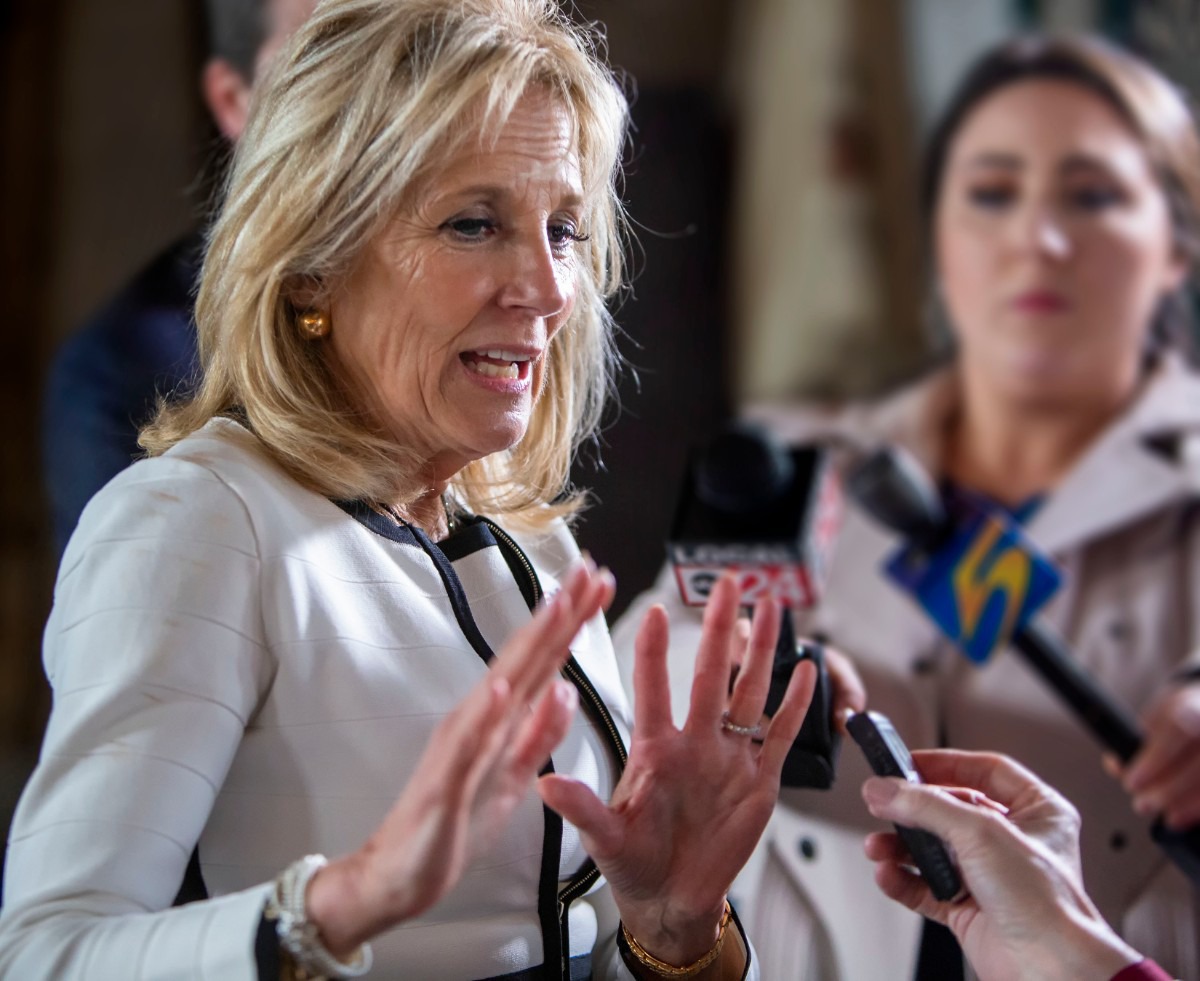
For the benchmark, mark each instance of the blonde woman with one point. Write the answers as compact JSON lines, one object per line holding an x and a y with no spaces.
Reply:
{"x":289,"y":633}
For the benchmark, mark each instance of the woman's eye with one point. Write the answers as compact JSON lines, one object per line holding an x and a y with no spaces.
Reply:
{"x":1094,"y":198}
{"x":563,"y":234}
{"x":471,"y":229}
{"x":991,"y":195}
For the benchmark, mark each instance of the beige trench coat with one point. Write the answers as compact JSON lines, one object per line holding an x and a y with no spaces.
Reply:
{"x":1124,"y":527}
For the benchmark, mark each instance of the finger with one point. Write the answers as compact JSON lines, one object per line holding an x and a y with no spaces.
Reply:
{"x":710,"y":682}
{"x":1176,"y":795}
{"x":1112,"y":765}
{"x":754,"y":680}
{"x":781,"y":733}
{"x":651,"y":681}
{"x":600,"y":829}
{"x":1167,"y":744}
{"x":932,"y":809}
{"x":468,"y":742}
{"x":1160,"y":754}
{"x":976,"y":798}
{"x":849,"y":692}
{"x":595,"y":600}
{"x":909,"y":889}
{"x":738,"y":645}
{"x":1000,"y":777}
{"x":544,"y":728}
{"x":536,"y":650}
{"x":460,"y":737}
{"x":886,"y":846}
{"x":539,"y":649}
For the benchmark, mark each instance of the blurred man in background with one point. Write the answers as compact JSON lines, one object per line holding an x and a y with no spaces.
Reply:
{"x":104,"y":381}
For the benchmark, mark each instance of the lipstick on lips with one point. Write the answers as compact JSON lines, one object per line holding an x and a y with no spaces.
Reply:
{"x":1041,"y":301}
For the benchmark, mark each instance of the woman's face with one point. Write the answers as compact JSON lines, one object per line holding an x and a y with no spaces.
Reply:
{"x":1053,"y":245}
{"x":443,"y":325}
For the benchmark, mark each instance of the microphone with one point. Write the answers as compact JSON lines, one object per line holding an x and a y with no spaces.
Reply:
{"x":981,"y":580}
{"x":769,"y":515}
{"x":765,"y":513}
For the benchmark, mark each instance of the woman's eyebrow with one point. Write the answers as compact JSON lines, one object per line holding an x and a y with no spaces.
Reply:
{"x":568,"y":196}
{"x":1077,"y":162}
{"x":994,"y":159}
{"x":1073,"y":163}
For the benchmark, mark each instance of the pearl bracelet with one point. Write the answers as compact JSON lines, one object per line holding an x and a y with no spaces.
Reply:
{"x":298,"y":936}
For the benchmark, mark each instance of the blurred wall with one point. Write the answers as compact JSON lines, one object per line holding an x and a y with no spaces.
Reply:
{"x":674,"y":321}
{"x":128,"y":132}
{"x":27,"y":68}
{"x":100,"y":129}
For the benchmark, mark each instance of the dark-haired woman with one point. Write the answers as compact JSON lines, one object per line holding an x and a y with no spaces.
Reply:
{"x":1061,"y":195}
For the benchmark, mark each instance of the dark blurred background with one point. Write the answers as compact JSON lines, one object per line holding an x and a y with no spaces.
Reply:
{"x":771,"y":180}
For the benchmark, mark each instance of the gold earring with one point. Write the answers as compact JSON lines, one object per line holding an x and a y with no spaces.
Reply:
{"x":314,"y":325}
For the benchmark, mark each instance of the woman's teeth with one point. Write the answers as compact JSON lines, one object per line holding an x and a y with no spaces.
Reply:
{"x":509,"y":371}
{"x":497,"y":363}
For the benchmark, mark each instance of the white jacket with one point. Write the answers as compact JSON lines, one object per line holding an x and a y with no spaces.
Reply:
{"x":241,"y":665}
{"x":1124,"y":527}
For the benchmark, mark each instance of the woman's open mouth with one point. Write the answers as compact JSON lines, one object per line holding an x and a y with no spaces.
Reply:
{"x":498,"y":363}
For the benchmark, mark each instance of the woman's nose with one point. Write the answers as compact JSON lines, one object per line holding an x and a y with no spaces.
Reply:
{"x":539,"y":280}
{"x":1042,"y":230}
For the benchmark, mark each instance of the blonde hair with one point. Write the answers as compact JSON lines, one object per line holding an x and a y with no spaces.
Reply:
{"x":370,"y":99}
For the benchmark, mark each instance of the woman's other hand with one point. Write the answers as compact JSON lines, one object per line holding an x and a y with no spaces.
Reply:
{"x":1164,"y":777}
{"x":692,"y":802}
{"x":849,"y":692}
{"x":479,"y":764}
{"x":1016,"y":841}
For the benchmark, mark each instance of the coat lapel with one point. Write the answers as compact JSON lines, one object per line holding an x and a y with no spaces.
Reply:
{"x":1148,"y":460}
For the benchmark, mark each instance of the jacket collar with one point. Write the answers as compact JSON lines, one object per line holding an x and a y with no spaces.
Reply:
{"x":1148,"y":459}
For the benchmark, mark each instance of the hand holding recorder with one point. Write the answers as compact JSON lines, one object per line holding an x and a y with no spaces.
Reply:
{"x":1016,"y":841}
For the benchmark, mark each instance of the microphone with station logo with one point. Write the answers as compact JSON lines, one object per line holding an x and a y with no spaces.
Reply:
{"x":768,"y":515}
{"x":981,"y":580}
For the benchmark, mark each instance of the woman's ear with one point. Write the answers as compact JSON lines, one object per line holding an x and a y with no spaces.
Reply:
{"x":305,"y":293}
{"x":227,"y":95}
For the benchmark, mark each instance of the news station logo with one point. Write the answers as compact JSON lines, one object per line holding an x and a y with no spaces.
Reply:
{"x":983,"y":585}
{"x":768,"y":569}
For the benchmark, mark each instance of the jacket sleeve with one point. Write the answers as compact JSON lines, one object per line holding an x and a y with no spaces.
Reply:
{"x":1142,"y":971}
{"x":156,"y":656}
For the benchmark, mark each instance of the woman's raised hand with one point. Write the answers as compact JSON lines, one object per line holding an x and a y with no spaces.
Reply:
{"x":479,"y":764}
{"x":692,"y":803}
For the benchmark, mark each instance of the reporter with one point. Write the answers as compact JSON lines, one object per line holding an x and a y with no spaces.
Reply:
{"x":1061,"y":193}
{"x":1016,"y":841}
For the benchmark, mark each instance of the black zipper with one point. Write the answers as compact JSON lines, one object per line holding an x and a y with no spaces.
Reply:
{"x":573,"y":672}
{"x":594,"y":705}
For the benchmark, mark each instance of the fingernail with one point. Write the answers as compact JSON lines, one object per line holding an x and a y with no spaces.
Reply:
{"x":565,"y":692}
{"x":877,"y":791}
{"x":1145,"y":805}
{"x":588,"y":562}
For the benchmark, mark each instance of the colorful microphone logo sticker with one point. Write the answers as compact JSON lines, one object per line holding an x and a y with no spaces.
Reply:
{"x":984,"y":584}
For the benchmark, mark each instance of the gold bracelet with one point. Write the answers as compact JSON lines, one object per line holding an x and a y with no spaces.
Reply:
{"x":647,"y":959}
